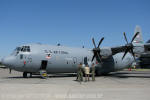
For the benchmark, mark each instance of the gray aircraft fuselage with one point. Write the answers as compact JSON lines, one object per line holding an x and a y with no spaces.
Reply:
{"x":61,"y":59}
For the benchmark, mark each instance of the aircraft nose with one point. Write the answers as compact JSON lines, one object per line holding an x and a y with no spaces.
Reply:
{"x":6,"y":61}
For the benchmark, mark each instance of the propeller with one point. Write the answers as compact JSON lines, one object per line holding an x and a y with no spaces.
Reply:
{"x":96,"y":50}
{"x":129,"y":46}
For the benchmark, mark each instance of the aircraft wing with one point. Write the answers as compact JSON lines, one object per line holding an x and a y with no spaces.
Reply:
{"x":123,"y":48}
{"x":147,"y":45}
{"x":118,"y":49}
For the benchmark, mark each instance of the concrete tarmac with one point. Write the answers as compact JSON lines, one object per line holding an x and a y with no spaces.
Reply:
{"x":122,"y":85}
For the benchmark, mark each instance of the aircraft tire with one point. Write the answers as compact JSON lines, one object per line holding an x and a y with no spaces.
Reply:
{"x":24,"y":74}
{"x":30,"y":75}
{"x":97,"y":73}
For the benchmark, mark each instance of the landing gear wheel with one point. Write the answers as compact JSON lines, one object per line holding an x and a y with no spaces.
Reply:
{"x":30,"y":75}
{"x":98,"y":73}
{"x":24,"y":74}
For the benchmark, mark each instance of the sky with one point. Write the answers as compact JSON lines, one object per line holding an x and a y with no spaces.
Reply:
{"x":71,"y":22}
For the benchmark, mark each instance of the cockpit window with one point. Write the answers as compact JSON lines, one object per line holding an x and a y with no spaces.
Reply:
{"x":16,"y":51}
{"x":21,"y":49}
{"x":25,"y":49}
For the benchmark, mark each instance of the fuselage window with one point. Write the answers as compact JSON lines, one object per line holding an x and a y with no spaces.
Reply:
{"x":21,"y":56}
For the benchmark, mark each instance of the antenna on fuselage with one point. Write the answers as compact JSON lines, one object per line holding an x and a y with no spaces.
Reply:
{"x":58,"y":44}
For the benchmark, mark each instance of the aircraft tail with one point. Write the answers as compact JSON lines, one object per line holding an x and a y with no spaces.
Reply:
{"x":138,"y":42}
{"x":139,"y":38}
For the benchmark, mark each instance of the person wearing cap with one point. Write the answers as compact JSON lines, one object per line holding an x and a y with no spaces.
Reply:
{"x":79,"y":73}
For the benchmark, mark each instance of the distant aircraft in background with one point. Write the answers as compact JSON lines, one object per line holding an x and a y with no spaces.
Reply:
{"x":34,"y":58}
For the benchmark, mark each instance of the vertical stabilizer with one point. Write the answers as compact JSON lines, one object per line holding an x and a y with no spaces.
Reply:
{"x":138,"y":42}
{"x":139,"y":38}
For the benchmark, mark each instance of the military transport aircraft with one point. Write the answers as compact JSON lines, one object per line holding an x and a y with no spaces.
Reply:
{"x":32,"y":58}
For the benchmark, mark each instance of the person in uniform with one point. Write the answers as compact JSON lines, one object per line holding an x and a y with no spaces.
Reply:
{"x":87,"y":72}
{"x":93,"y":72}
{"x":79,"y":73}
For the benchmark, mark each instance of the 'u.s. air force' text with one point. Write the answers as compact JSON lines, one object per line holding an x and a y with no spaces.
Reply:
{"x":56,"y":52}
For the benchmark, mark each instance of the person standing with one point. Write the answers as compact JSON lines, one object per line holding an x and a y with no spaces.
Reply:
{"x":93,"y":72}
{"x":87,"y":72}
{"x":79,"y":73}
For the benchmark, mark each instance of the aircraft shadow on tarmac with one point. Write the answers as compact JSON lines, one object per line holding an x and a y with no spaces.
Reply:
{"x":129,"y":75}
{"x":114,"y":74}
{"x":38,"y":76}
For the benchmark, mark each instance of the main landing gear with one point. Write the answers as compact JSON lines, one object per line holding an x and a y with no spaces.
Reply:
{"x":25,"y":74}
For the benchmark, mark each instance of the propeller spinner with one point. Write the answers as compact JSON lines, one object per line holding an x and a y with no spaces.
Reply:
{"x":129,"y":46}
{"x":97,"y":50}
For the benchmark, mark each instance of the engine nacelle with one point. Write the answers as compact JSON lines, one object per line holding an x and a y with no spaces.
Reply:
{"x":106,"y":52}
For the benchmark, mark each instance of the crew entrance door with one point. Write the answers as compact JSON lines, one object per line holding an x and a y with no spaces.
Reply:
{"x":43,"y":72}
{"x":43,"y":64}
